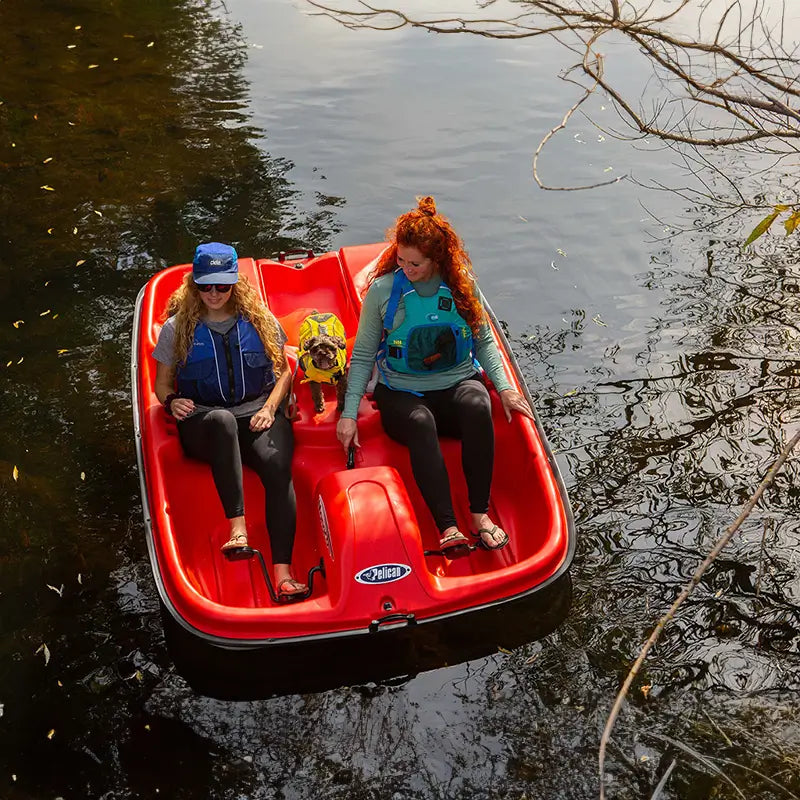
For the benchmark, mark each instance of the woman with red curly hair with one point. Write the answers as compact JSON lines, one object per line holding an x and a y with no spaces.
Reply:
{"x":423,"y":325}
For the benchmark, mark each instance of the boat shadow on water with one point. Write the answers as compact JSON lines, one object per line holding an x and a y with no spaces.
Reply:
{"x":390,"y":655}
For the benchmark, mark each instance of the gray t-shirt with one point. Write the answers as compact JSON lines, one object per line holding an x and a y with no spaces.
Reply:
{"x":165,"y":353}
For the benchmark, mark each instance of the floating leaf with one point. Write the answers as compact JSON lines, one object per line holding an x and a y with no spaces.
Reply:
{"x":93,"y":66}
{"x":150,"y":44}
{"x":51,"y":733}
{"x":645,"y":690}
{"x":44,"y":313}
{"x":59,"y":683}
{"x":553,"y":265}
{"x":138,"y":675}
{"x":571,"y":392}
{"x":43,"y":648}
{"x":55,"y":316}
{"x":71,"y":46}
{"x":59,"y":592}
{"x":82,"y":261}
{"x":15,"y":473}
{"x":36,"y":117}
{"x":47,"y":283}
{"x":50,"y":231}
{"x":608,"y":169}
{"x":80,"y":579}
{"x":83,"y":476}
{"x":19,"y":322}
{"x":78,"y":27}
{"x":74,"y":230}
{"x":147,"y":727}
{"x":47,"y":160}
{"x":62,"y":351}
{"x":9,"y":363}
{"x":597,"y":321}
{"x":21,"y":360}
{"x":47,"y":188}
{"x":71,"y":123}
{"x":503,"y":650}
{"x":98,"y":213}
{"x":762,"y":227}
{"x":561,"y":252}
{"x":519,"y":216}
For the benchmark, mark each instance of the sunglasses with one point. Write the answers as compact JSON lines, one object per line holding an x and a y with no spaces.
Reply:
{"x":222,"y":288}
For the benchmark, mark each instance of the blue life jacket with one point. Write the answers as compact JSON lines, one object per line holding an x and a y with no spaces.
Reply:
{"x":226,"y":369}
{"x":433,"y":336}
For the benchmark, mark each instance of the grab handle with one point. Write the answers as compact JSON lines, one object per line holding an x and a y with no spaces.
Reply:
{"x":351,"y":456}
{"x":307,"y":254}
{"x":390,"y":619}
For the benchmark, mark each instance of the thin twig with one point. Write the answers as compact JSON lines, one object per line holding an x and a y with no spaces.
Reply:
{"x":688,"y":589}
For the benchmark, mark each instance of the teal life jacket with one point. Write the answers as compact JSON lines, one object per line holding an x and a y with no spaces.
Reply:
{"x":226,"y":369}
{"x":433,"y":336}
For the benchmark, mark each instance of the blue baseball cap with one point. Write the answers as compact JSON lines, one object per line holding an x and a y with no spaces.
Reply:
{"x":215,"y":262}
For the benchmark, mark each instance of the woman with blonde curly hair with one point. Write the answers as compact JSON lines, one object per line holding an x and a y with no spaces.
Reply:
{"x":222,"y":374}
{"x":423,"y":325}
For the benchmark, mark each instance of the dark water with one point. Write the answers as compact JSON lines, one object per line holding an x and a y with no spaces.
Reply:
{"x":664,"y":364}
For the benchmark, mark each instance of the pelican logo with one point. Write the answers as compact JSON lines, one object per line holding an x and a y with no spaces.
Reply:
{"x":215,"y":262}
{"x":383,"y":573}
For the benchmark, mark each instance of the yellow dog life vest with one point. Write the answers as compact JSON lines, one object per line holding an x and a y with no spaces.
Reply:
{"x":321,"y":325}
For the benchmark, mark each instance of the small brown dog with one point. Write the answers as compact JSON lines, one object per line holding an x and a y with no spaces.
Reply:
{"x":323,"y":356}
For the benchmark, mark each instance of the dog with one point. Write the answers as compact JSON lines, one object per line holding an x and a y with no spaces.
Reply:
{"x":323,"y":356}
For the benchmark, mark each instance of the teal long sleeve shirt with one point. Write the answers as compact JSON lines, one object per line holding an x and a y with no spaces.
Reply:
{"x":370,"y":333}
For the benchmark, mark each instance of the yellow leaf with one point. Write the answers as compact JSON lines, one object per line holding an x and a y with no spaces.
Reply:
{"x":50,"y":231}
{"x":761,"y":228}
{"x":15,"y":473}
{"x":93,"y":66}
{"x":60,"y":352}
{"x":59,"y":683}
{"x":74,"y":230}
{"x":115,"y":59}
{"x":59,"y":592}
{"x":9,"y":363}
{"x":80,"y":579}
{"x":47,"y":188}
{"x":150,"y":44}
{"x":21,"y":360}
{"x":792,"y":223}
{"x":43,"y":648}
{"x":71,"y":123}
{"x":55,"y":316}
{"x":98,"y":213}
{"x":139,"y":676}
{"x":47,"y":160}
{"x":645,"y":690}
{"x":19,"y":322}
{"x":78,"y":27}
{"x":82,"y":261}
{"x":51,"y":733}
{"x":46,"y":283}
{"x":71,"y":46}
{"x":44,"y":313}
{"x":503,"y":650}
{"x":83,"y":476}
{"x":147,"y":727}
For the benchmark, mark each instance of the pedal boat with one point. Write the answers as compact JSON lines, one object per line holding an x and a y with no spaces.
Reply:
{"x":365,"y":541}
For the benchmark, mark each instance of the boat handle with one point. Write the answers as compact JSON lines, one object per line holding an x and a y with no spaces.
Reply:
{"x":301,"y":252}
{"x":351,"y":457}
{"x":375,"y":625}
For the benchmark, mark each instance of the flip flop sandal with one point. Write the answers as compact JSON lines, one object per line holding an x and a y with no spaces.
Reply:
{"x":491,"y":531}
{"x":454,"y":545}
{"x":288,"y":597}
{"x":236,"y":548}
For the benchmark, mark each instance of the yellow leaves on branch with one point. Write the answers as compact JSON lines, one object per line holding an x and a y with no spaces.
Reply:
{"x":790,"y":224}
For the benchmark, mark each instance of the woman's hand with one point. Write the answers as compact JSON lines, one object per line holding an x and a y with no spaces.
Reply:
{"x":514,"y":401}
{"x":347,"y":432}
{"x":181,"y":407}
{"x":262,"y":419}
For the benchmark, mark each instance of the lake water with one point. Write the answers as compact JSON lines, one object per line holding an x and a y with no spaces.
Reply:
{"x":664,"y":365}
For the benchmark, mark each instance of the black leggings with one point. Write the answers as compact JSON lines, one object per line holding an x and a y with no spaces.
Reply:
{"x":226,"y":442}
{"x":462,"y":411}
